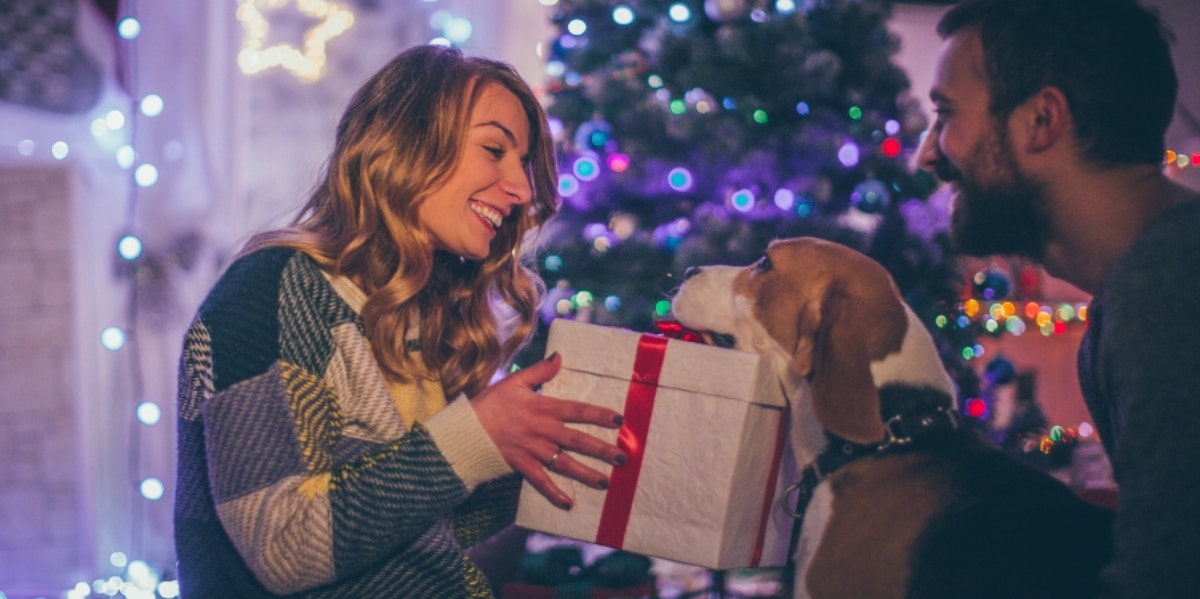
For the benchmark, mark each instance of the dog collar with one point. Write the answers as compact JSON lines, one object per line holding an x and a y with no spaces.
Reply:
{"x":901,"y":431}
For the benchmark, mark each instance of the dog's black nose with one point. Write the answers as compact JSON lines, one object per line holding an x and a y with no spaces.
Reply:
{"x":691,"y":272}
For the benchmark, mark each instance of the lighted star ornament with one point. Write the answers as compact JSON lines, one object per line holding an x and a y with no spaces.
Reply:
{"x":306,"y":64}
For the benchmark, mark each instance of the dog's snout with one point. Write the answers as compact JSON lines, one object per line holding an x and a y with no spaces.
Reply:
{"x":691,"y":272}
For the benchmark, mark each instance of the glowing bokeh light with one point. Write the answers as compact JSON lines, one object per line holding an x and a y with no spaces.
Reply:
{"x":129,"y":28}
{"x":586,"y":168}
{"x":148,"y":413}
{"x":577,"y":27}
{"x":152,"y":489}
{"x":680,"y":179}
{"x":129,"y":247}
{"x":618,"y":163}
{"x":622,"y":14}
{"x":112,"y":338}
{"x":568,"y":185}
{"x":146,"y":175}
{"x":742,"y":200}
{"x":848,"y":154}
{"x":679,"y":12}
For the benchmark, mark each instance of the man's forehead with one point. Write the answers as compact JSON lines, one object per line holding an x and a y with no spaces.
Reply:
{"x":960,"y":68}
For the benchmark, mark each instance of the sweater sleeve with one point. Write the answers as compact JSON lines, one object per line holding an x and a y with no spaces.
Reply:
{"x":1152,"y":374}
{"x":310,"y":487}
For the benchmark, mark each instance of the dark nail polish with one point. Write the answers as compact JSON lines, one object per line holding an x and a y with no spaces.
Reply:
{"x":550,"y":358}
{"x":603,"y":484}
{"x":618,"y":420}
{"x":564,"y":504}
{"x":620,"y":459}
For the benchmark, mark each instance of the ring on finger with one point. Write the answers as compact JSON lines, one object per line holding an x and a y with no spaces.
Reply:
{"x":554,"y":458}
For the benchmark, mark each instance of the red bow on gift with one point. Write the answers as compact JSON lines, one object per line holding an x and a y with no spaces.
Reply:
{"x":674,"y":330}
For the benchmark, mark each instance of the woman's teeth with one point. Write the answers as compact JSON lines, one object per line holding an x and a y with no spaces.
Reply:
{"x":489,"y":214}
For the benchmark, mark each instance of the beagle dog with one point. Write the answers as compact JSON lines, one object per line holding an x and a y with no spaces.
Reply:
{"x":896,"y":498}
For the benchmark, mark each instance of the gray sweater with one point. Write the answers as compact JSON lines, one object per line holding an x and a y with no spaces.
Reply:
{"x":1139,"y":368}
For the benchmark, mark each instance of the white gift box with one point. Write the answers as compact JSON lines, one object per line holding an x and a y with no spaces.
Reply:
{"x":706,"y":487}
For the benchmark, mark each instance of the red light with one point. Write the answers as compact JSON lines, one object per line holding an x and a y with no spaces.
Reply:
{"x":1060,"y":327}
{"x":891,"y":147}
{"x":976,"y":408}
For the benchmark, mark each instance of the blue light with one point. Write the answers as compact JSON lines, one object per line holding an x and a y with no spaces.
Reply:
{"x":803,"y":109}
{"x":568,"y":185}
{"x":586,"y":167}
{"x":612,"y":303}
{"x":680,"y":179}
{"x":554,"y":263}
{"x":742,"y":200}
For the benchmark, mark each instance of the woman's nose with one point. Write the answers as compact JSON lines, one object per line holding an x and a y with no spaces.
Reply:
{"x":515,"y":182}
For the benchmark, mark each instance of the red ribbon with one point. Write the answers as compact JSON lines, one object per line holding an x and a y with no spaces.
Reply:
{"x":675,"y":330}
{"x":764,"y":515}
{"x":639,"y":404}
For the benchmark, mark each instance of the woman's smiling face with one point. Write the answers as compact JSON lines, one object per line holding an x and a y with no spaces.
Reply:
{"x":490,"y":179}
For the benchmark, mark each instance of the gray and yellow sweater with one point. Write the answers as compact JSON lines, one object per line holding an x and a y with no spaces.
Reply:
{"x":299,"y":473}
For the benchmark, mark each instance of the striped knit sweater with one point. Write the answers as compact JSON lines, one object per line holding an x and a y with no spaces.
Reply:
{"x":297,"y":476}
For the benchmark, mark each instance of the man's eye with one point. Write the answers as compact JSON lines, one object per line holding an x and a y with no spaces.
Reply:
{"x":763,"y":264}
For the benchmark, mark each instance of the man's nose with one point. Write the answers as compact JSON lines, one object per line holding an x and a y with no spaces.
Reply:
{"x":928,"y":152}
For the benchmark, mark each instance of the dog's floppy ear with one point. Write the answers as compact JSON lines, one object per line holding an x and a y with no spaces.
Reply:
{"x":843,"y":390}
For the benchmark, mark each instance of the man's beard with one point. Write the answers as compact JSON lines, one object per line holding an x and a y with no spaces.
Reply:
{"x":997,"y":209}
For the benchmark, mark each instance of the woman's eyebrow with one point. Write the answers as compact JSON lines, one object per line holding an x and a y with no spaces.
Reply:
{"x":507,"y":133}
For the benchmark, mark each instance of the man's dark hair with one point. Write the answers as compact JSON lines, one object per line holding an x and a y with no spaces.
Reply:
{"x":1111,"y":58}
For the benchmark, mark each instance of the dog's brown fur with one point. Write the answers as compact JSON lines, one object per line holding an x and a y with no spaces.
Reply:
{"x":954,"y":517}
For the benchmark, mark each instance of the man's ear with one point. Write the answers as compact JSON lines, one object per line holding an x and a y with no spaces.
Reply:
{"x":1043,"y":118}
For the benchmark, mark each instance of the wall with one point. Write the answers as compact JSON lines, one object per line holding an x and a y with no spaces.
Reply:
{"x":40,"y":494}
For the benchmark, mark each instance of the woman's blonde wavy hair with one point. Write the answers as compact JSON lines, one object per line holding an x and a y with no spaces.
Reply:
{"x":400,"y":138}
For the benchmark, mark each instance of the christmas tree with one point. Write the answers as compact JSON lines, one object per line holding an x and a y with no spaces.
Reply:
{"x":694,"y":133}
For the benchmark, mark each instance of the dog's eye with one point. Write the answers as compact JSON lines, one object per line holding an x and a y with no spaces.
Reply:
{"x":763,"y":264}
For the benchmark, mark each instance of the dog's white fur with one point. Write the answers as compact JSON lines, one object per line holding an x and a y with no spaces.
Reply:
{"x":717,"y":299}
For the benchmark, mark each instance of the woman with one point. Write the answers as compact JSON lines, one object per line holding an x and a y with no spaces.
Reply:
{"x":318,"y":454}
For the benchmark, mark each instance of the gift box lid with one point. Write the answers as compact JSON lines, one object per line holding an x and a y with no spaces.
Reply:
{"x":610,"y":351}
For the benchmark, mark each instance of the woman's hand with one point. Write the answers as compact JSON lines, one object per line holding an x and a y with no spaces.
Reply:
{"x":530,"y":430}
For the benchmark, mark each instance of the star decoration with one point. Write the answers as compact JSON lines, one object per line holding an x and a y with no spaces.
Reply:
{"x":307,"y":63}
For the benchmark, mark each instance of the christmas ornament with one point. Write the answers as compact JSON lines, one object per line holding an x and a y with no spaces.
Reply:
{"x":593,"y":135}
{"x":871,"y":196}
{"x":725,"y":10}
{"x":992,"y":284}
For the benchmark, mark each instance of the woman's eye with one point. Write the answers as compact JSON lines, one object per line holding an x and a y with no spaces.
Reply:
{"x":763,"y":264}
{"x":496,"y":153}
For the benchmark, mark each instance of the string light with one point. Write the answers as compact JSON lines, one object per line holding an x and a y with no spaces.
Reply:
{"x":1181,"y":159}
{"x":306,"y":64}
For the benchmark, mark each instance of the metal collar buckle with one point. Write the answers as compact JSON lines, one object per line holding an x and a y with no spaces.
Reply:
{"x":901,"y":431}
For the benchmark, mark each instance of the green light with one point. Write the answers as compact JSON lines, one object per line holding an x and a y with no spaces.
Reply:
{"x":662,"y":308}
{"x":760,"y":116}
{"x":678,"y":107}
{"x":968,"y":353}
{"x":583,"y":299}
{"x":855,"y":113}
{"x":941,"y":321}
